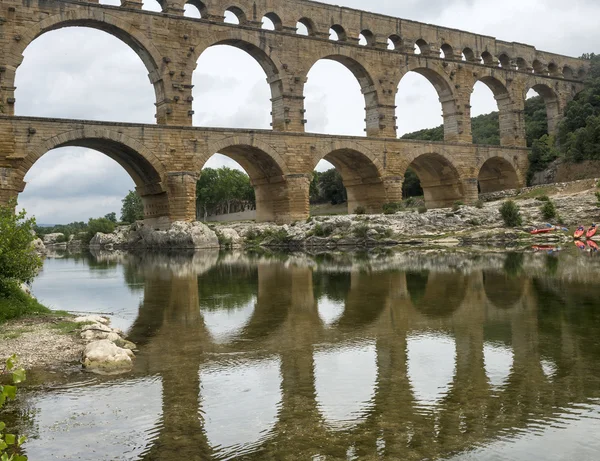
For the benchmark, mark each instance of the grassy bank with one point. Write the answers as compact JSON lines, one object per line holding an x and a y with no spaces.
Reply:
{"x":14,"y":303}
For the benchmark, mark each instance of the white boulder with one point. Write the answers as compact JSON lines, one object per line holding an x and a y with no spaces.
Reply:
{"x":181,"y":235}
{"x":105,"y":357}
{"x":93,"y":319}
{"x":51,"y":239}
{"x":231,"y":236}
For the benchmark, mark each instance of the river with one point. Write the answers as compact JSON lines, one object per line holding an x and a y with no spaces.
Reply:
{"x":392,"y":356}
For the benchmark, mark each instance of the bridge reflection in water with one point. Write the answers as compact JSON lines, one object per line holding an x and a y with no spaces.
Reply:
{"x":410,"y":356}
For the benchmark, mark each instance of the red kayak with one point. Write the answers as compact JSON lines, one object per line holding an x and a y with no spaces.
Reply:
{"x":591,"y":231}
{"x":579,"y":232}
{"x":593,"y":245}
{"x":579,"y":244}
{"x":541,"y":231}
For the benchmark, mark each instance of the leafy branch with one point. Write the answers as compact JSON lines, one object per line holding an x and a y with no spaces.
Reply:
{"x":10,"y":444}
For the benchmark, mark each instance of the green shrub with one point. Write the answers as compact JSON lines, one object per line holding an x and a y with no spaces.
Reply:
{"x":360,"y":231}
{"x":474,"y":222}
{"x":598,"y":197}
{"x":479,"y":204}
{"x":322,"y":231}
{"x":18,"y":260}
{"x":422,"y":209}
{"x":103,"y":225}
{"x":15,"y":303}
{"x":9,"y":443}
{"x":457,"y":205}
{"x":360,"y":210}
{"x":62,"y":239}
{"x":409,"y":202}
{"x":543,"y":198}
{"x":392,"y":207}
{"x":511,"y":214}
{"x":548,"y":210}
{"x":224,"y":242}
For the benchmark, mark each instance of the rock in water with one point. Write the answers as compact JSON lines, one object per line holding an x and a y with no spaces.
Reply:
{"x":51,"y":239}
{"x":105,"y":357}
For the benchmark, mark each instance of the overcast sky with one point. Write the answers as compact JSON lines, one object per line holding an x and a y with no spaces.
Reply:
{"x":65,"y":74}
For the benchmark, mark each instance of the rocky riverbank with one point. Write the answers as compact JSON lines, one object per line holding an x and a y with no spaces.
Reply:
{"x":61,"y":342}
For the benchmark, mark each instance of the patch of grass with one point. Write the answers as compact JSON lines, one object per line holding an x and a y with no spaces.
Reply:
{"x":392,"y":207}
{"x":474,"y":222}
{"x":479,"y":204}
{"x":539,"y":192}
{"x":457,"y":205}
{"x":322,"y":231}
{"x":65,"y":327}
{"x":422,"y":209}
{"x":14,"y":334}
{"x":14,"y":303}
{"x":598,"y":197}
{"x":543,"y":198}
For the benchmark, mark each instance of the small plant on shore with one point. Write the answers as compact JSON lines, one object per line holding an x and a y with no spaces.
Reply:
{"x":224,"y":242}
{"x":598,"y":197}
{"x":474,"y":222}
{"x":10,"y":444}
{"x":479,"y":204}
{"x":543,"y":198}
{"x":392,"y":207}
{"x":360,"y":231}
{"x":410,"y":202}
{"x":457,"y":205}
{"x":322,"y":231}
{"x":422,"y":209}
{"x":511,"y":214}
{"x":360,"y":210}
{"x":548,"y":210}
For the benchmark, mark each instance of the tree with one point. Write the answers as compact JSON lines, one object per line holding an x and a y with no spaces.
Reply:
{"x":111,"y":217}
{"x":102,"y":225}
{"x":18,"y":260}
{"x":412,"y":185}
{"x":132,"y":209}
{"x":331,"y":187}
{"x":223,"y":190}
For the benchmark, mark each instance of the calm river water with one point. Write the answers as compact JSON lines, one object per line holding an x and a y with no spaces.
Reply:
{"x":404,"y":356}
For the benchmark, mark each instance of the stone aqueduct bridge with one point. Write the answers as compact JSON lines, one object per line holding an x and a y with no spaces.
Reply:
{"x":165,"y":159}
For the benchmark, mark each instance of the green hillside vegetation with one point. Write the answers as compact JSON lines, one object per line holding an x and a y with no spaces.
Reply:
{"x":578,"y":136}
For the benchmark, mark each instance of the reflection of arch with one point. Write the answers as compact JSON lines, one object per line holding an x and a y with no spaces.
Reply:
{"x":439,"y":179}
{"x":436,"y":294}
{"x":144,"y":48}
{"x":497,"y":174}
{"x":501,"y":290}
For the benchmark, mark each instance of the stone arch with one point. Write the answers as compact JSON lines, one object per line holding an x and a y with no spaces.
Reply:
{"x":367,"y":85}
{"x":362,"y":173}
{"x":116,"y":27}
{"x":146,"y":170}
{"x":539,"y":67}
{"x":487,"y":58}
{"x":422,"y":47}
{"x":440,"y":180}
{"x":469,"y":54}
{"x":498,"y":173}
{"x":553,"y":69}
{"x":275,"y":19}
{"x":503,"y":98}
{"x":447,"y":51}
{"x":239,"y":14}
{"x":311,"y":28}
{"x":568,"y":73}
{"x":395,"y":42}
{"x":340,"y":32}
{"x":551,"y":99}
{"x":267,"y":170}
{"x":522,"y":65}
{"x":200,"y":6}
{"x":444,"y":88}
{"x":504,"y":60}
{"x":369,"y":37}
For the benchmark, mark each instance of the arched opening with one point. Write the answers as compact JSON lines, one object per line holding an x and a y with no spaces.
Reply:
{"x":497,"y":174}
{"x":553,"y":69}
{"x":489,"y":100}
{"x":395,"y":43}
{"x":271,"y":21}
{"x":542,"y":113}
{"x":219,"y":194}
{"x":538,"y":67}
{"x":423,"y":97}
{"x":487,"y":58}
{"x":83,"y":91}
{"x":366,"y":38}
{"x":469,"y":55}
{"x":337,"y":33}
{"x":305,"y":26}
{"x":88,"y":178}
{"x":421,"y":47}
{"x":356,"y":182}
{"x":234,"y":15}
{"x":582,"y":74}
{"x":230,"y":89}
{"x":439,"y":179}
{"x":334,"y":102}
{"x":195,"y":9}
{"x":446,"y":52}
{"x":157,"y":6}
{"x":568,"y":73}
{"x":522,"y":65}
{"x":504,"y":61}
